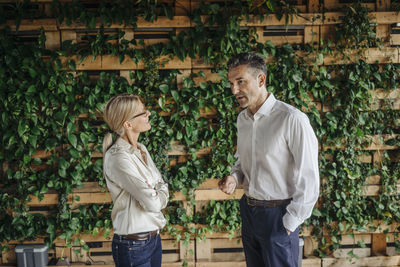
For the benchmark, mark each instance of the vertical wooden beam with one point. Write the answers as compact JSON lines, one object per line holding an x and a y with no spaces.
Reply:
{"x":186,"y":252}
{"x":62,"y":251}
{"x":383,"y":32}
{"x":68,"y":35}
{"x":383,"y":5}
{"x":203,"y":250}
{"x":331,"y":4}
{"x":327,"y":32}
{"x":8,"y":256}
{"x":180,"y":77}
{"x":312,"y":35}
{"x":377,"y":158}
{"x":260,"y":34}
{"x":378,"y":245}
{"x":313,"y":6}
{"x":188,"y":208}
{"x":182,"y":8}
{"x":52,"y":40}
{"x":310,"y":244}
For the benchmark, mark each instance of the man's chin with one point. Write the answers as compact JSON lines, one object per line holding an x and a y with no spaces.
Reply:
{"x":243,"y":105}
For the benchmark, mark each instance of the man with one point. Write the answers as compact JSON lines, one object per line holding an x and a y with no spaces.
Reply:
{"x":277,"y":164}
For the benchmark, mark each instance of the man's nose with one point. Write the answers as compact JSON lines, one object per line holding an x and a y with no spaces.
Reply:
{"x":234,"y":89}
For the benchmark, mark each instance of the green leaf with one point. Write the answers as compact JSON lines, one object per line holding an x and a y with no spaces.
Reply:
{"x":175,"y":95}
{"x":22,"y":127}
{"x":185,"y":108}
{"x":297,"y":77}
{"x":32,"y":72}
{"x":31,"y":89}
{"x":164,"y":88}
{"x":73,"y":140}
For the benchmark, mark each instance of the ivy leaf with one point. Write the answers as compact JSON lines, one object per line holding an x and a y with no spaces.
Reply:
{"x":316,"y":213}
{"x":32,"y":140}
{"x":84,"y":138}
{"x":139,"y":75}
{"x":73,"y":140}
{"x":22,"y":127}
{"x":70,"y":128}
{"x":164,"y":88}
{"x":175,"y":95}
{"x":185,"y":108}
{"x":297,"y":77}
{"x":32,"y":72}
{"x":31,"y":89}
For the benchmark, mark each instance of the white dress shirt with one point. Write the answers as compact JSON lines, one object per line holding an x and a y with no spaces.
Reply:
{"x":277,"y":158}
{"x":137,"y":189}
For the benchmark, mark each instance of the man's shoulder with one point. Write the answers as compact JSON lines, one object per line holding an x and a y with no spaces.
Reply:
{"x":289,"y":111}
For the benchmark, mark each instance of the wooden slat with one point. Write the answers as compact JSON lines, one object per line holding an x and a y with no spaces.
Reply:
{"x":33,"y":25}
{"x":108,"y":62}
{"x":184,"y":21}
{"x":371,"y":56}
{"x":377,"y":143}
{"x":161,"y":22}
{"x":205,"y":250}
{"x":383,"y":5}
{"x":362,"y":262}
{"x":91,"y":192}
{"x":336,"y":5}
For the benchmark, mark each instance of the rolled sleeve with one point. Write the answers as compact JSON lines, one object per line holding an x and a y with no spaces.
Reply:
{"x":236,"y":171}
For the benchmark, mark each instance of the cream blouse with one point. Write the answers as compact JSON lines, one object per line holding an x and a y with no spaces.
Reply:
{"x":137,"y":189}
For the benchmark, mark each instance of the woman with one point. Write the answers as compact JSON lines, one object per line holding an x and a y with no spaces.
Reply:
{"x":136,"y":186}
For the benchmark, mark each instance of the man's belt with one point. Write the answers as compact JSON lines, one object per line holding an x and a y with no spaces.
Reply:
{"x":267,"y":203}
{"x":141,"y":236}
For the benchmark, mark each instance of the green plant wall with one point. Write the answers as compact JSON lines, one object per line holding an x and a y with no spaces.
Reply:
{"x":42,"y":102}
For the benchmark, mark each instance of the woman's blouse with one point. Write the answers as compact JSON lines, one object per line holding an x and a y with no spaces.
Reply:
{"x":136,"y":187}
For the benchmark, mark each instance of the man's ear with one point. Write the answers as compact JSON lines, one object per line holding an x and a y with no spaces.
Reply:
{"x":261,"y":79}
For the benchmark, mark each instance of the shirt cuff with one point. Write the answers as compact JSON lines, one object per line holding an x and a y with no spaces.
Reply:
{"x":291,"y":222}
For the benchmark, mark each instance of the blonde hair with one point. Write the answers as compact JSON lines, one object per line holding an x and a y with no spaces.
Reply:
{"x":118,"y":109}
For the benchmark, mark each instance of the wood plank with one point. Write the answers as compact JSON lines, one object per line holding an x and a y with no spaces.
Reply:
{"x":311,"y":262}
{"x":161,"y":22}
{"x":313,"y":6}
{"x":311,"y":34}
{"x":91,"y":192}
{"x":182,"y":7}
{"x":368,"y":261}
{"x":207,"y":250}
{"x":217,"y":195}
{"x":33,"y":25}
{"x":52,"y":40}
{"x":109,"y":62}
{"x":377,"y":142}
{"x":378,"y":245}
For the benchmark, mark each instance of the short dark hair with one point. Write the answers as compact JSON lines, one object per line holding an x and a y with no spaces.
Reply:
{"x":252,"y":60}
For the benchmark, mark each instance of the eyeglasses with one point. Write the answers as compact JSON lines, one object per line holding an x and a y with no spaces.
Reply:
{"x":140,"y":114}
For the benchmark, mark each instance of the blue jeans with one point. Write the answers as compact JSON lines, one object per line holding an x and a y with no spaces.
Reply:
{"x":128,"y":253}
{"x":265,"y":240}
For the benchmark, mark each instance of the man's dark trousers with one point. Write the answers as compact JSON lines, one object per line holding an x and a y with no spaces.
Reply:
{"x":265,"y":240}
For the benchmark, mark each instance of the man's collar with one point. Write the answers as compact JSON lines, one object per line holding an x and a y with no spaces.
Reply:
{"x":265,"y":108}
